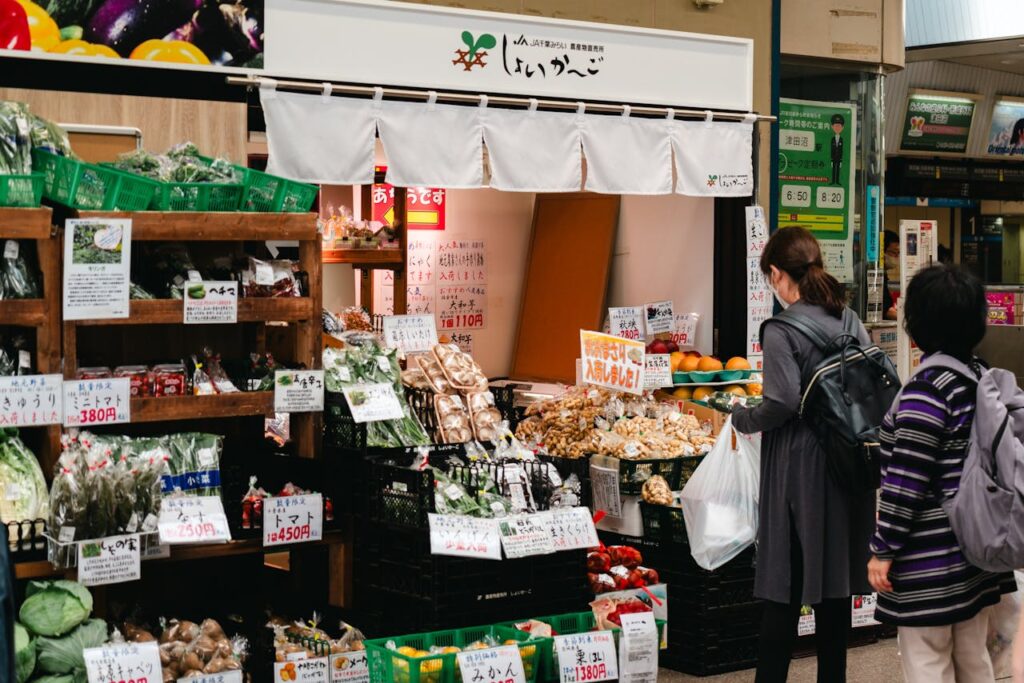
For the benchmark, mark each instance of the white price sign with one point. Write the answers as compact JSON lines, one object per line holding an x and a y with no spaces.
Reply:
{"x":572,"y":529}
{"x":659,"y":317}
{"x":626,"y":322}
{"x":193,"y":519}
{"x":526,"y":535}
{"x":461,"y":536}
{"x":223,"y":677}
{"x":638,"y":649}
{"x":315,"y":670}
{"x":373,"y":402}
{"x":97,"y":401}
{"x":493,"y":665}
{"x":298,"y":391}
{"x":350,"y":667}
{"x":115,"y":559}
{"x":685,"y":330}
{"x":139,"y":662}
{"x":657,"y":370}
{"x":410,"y":333}
{"x":208,"y":302}
{"x":31,"y":400}
{"x":293,"y":519}
{"x":586,"y":657}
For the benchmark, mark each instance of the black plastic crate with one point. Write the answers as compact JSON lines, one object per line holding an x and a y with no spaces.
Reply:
{"x":569,"y":466}
{"x":634,"y":473}
{"x":687,"y":466}
{"x":340,"y":430}
{"x":664,"y":524}
{"x":712,"y":658}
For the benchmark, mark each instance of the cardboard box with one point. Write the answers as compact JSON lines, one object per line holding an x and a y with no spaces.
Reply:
{"x":704,"y":414}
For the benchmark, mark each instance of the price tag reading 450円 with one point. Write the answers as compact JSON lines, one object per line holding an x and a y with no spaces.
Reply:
{"x":586,"y":657}
{"x":293,"y":519}
{"x":193,"y":519}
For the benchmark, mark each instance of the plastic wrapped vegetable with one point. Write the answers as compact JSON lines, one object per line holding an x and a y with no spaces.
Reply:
{"x":17,"y":280}
{"x":23,"y":493}
{"x":64,"y":655}
{"x":15,"y":139}
{"x":50,"y":137}
{"x":24,"y":654}
{"x":53,"y":608}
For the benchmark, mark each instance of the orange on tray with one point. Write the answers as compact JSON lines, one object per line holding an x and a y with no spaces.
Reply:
{"x":689,"y":364}
{"x":737,"y":363}
{"x":675,"y":359}
{"x":702,"y":393}
{"x":709,"y":364}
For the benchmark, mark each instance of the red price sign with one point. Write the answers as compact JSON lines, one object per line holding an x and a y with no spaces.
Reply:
{"x":463,"y":322}
{"x":193,"y":519}
{"x":97,"y":415}
{"x":591,"y":672}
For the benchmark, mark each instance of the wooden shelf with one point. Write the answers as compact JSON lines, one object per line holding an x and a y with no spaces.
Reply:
{"x":166,"y":408}
{"x":27,"y":312}
{"x":185,"y":226}
{"x":25,"y":224}
{"x":170,"y":311}
{"x":366,"y":257}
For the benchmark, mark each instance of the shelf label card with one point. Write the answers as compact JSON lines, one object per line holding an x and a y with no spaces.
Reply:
{"x":685,"y":329}
{"x":293,"y":519}
{"x":626,"y":322}
{"x":373,"y":402}
{"x":193,"y":519}
{"x":31,"y":400}
{"x":462,"y":536}
{"x":115,"y":559}
{"x":313,"y":670}
{"x":124,"y":662}
{"x":638,"y":649}
{"x":660,"y":317}
{"x":97,"y":265}
{"x":410,"y":333}
{"x":573,"y":529}
{"x":586,"y":657}
{"x":494,"y":665}
{"x":299,"y":391}
{"x":350,"y":667}
{"x":526,"y":535}
{"x":657,"y":370}
{"x":234,"y":676}
{"x":97,"y":401}
{"x":209,"y":302}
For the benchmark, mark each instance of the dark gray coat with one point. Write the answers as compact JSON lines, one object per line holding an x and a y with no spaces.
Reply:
{"x":797,"y":494}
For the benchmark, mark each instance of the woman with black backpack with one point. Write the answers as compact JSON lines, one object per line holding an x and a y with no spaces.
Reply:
{"x":812,"y":535}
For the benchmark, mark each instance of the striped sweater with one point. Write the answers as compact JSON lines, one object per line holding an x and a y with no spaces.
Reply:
{"x":924,"y":444}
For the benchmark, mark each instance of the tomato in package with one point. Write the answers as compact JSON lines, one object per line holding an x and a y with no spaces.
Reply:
{"x":138,"y":375}
{"x":169,"y":380}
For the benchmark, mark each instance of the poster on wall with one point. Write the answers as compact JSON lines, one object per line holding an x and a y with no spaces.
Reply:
{"x":918,"y":249}
{"x":817,"y":141}
{"x":937,"y":122}
{"x":1006,"y":130}
{"x":193,"y":33}
{"x":760,"y":300}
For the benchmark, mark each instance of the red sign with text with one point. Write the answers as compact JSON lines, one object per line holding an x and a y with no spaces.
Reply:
{"x":424,"y":206}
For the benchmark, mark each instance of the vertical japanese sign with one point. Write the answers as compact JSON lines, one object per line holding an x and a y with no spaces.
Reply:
{"x":31,"y":400}
{"x":115,"y":559}
{"x":937,"y":122}
{"x":918,"y":249}
{"x":97,"y":401}
{"x":97,"y":265}
{"x":461,"y":276}
{"x":817,"y":152}
{"x":209,"y":302}
{"x":293,"y":519}
{"x":126,"y":662}
{"x":612,"y":362}
{"x":873,"y":210}
{"x":421,"y":260}
{"x":760,"y":301}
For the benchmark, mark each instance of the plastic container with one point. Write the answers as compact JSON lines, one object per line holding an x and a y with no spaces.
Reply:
{"x":21,"y":190}
{"x":197,"y":197}
{"x":704,"y":377}
{"x":731,"y":375}
{"x":633,"y":473}
{"x":264,"y":192}
{"x":90,"y":187}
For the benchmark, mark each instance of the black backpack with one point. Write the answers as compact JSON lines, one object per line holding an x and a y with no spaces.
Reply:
{"x":845,"y":398}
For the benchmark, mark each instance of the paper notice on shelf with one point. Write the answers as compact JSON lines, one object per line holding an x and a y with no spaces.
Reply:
{"x":293,"y":519}
{"x":638,"y":649}
{"x":209,"y":302}
{"x":97,"y":401}
{"x":657,"y":370}
{"x":299,"y":391}
{"x":410,"y":333}
{"x":120,"y":663}
{"x":350,"y":667}
{"x":684,"y":334}
{"x":461,"y":262}
{"x":612,"y":362}
{"x":604,"y":485}
{"x":97,"y":265}
{"x":462,"y":307}
{"x":586,"y":657}
{"x":193,"y":519}
{"x":502,"y":664}
{"x":223,"y":677}
{"x":526,"y":535}
{"x":863,"y":610}
{"x":373,"y":402}
{"x":115,"y":559}
{"x":311,"y":670}
{"x":461,"y":536}
{"x":31,"y":400}
{"x":626,"y":322}
{"x":659,"y":317}
{"x":573,"y":529}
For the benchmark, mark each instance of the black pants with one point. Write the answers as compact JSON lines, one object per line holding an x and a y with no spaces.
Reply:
{"x":779,"y":624}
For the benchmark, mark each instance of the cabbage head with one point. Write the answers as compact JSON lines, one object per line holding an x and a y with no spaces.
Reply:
{"x":64,"y":655}
{"x":59,"y":678}
{"x":53,"y":608}
{"x":24,"y":654}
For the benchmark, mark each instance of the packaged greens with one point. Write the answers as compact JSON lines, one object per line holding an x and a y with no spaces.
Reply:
{"x":64,"y":655}
{"x":24,"y":654}
{"x":50,"y":137}
{"x":17,"y":279}
{"x":182,"y":163}
{"x":23,"y":492}
{"x":53,"y":608}
{"x":451,"y":497}
{"x":15,"y":139}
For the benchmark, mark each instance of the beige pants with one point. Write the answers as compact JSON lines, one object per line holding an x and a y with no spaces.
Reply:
{"x":947,"y":654}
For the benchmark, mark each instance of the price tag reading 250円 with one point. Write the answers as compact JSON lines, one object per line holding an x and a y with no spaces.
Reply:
{"x":193,"y":519}
{"x":293,"y":519}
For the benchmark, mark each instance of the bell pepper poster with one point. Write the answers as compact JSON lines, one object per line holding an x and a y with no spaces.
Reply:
{"x":182,"y":32}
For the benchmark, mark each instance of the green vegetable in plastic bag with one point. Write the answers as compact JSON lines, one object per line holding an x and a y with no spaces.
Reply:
{"x":64,"y":655}
{"x":15,"y":139}
{"x":21,"y":479}
{"x":24,"y":654}
{"x":53,"y":608}
{"x":49,"y":136}
{"x":61,"y":678}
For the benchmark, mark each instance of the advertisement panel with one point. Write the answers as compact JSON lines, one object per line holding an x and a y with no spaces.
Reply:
{"x":1006,"y":129}
{"x":937,"y":122}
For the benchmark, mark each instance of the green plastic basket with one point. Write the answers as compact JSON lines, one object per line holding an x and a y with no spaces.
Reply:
{"x":388,"y":665}
{"x":21,"y":190}
{"x":274,"y":194}
{"x":90,"y":187}
{"x":197,"y":197}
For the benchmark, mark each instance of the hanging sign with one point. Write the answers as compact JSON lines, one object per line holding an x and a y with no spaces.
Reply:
{"x":526,"y":535}
{"x":298,"y":391}
{"x":462,"y":536}
{"x":373,"y":402}
{"x":124,"y":662}
{"x":638,"y":649}
{"x":657,"y":370}
{"x":612,"y":362}
{"x":193,"y":519}
{"x":293,"y":519}
{"x":97,"y":401}
{"x":462,"y":307}
{"x":350,"y":667}
{"x":501,"y":664}
{"x":586,"y":657}
{"x":211,"y":302}
{"x":31,"y":400}
{"x":410,"y":333}
{"x":626,"y":322}
{"x":97,"y":265}
{"x":937,"y":122}
{"x":659,"y":317}
{"x":115,"y":559}
{"x":311,"y":670}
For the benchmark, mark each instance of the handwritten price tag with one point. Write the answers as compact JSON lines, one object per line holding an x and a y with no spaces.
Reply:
{"x":209,"y":302}
{"x":223,"y":677}
{"x":299,"y":391}
{"x":315,"y":670}
{"x":410,"y":333}
{"x":572,"y":529}
{"x":97,"y":401}
{"x":139,"y":662}
{"x":586,"y":657}
{"x":626,"y":322}
{"x":526,"y":535}
{"x":657,"y":370}
{"x":115,"y":559}
{"x":31,"y":400}
{"x":461,"y":536}
{"x":494,"y":665}
{"x":684,"y":333}
{"x":193,"y":519}
{"x":293,"y":519}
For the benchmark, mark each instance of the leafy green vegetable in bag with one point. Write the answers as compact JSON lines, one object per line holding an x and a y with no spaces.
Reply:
{"x":24,"y":654}
{"x":15,"y":139}
{"x":61,"y":678}
{"x":21,"y":479}
{"x":53,"y":608}
{"x":64,"y":655}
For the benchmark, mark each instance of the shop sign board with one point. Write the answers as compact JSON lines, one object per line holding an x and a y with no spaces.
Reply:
{"x":572,"y":529}
{"x":298,"y":391}
{"x":293,"y":519}
{"x":97,"y":401}
{"x":192,"y":519}
{"x":443,"y":48}
{"x":1006,"y":129}
{"x":937,"y":122}
{"x":612,"y":362}
{"x":124,"y":662}
{"x":208,"y":302}
{"x":31,"y":400}
{"x":638,"y":649}
{"x":97,"y":265}
{"x":817,"y":152}
{"x":373,"y":402}
{"x":424,"y":206}
{"x":462,"y":536}
{"x":501,"y":664}
{"x":309,"y":670}
{"x":586,"y":657}
{"x":115,"y":559}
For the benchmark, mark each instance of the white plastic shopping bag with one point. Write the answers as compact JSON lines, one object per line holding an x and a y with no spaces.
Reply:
{"x":720,"y":500}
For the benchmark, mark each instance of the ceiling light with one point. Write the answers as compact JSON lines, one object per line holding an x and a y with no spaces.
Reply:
{"x":1007,"y":61}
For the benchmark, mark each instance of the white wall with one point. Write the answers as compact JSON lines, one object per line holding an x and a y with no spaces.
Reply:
{"x":665,"y":250}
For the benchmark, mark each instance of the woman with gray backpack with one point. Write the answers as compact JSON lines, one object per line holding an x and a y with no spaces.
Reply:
{"x":930,"y":584}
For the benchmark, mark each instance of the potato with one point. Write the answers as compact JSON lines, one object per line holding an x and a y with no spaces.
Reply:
{"x":192,"y":661}
{"x":169,"y":676}
{"x":211,"y":629}
{"x":215,"y":666}
{"x":205,"y":647}
{"x":188,"y":631}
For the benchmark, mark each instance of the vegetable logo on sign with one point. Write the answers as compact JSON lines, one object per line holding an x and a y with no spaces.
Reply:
{"x":477,"y":50}
{"x":937,"y":123}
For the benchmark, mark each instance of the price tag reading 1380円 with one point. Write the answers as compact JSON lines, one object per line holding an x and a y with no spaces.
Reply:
{"x":586,"y":657}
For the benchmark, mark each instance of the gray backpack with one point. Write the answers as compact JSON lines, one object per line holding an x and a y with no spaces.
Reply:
{"x":987,"y":512}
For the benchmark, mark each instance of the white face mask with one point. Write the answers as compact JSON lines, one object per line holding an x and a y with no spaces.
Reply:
{"x":779,"y":298}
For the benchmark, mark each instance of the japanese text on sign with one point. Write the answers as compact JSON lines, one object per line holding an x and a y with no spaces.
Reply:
{"x":657,"y":370}
{"x":638,"y":649}
{"x":410,"y":333}
{"x":627,"y":322}
{"x":373,"y":402}
{"x":314,"y":670}
{"x":208,"y":302}
{"x":760,"y":300}
{"x":659,"y":317}
{"x":97,"y":261}
{"x":863,"y":611}
{"x":350,"y":667}
{"x":422,"y":260}
{"x":572,"y":529}
{"x":684,"y":333}
{"x":193,"y":519}
{"x":234,"y":676}
{"x":461,"y":536}
{"x":97,"y":401}
{"x":293,"y":519}
{"x":612,"y":362}
{"x":138,"y":662}
{"x":115,"y":559}
{"x":298,"y":391}
{"x":494,"y":665}
{"x":541,"y":59}
{"x":462,"y":307}
{"x":586,"y":657}
{"x":461,"y":262}
{"x":30,"y":400}
{"x":526,"y":535}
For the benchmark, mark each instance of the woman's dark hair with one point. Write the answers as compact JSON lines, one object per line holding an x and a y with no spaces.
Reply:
{"x":946,"y":311}
{"x":890,"y":237}
{"x":795,"y":252}
{"x":1017,"y":136}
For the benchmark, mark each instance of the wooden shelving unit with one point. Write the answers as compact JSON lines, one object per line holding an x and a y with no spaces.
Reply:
{"x":170,"y":408}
